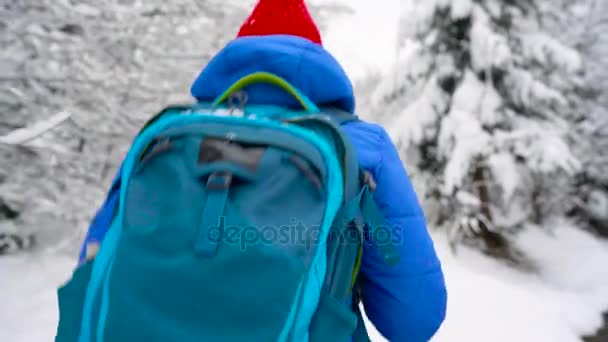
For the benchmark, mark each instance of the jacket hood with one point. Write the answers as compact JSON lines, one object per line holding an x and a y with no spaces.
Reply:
{"x":304,"y":64}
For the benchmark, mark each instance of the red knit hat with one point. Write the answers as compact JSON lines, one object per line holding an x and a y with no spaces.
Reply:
{"x":281,"y":17}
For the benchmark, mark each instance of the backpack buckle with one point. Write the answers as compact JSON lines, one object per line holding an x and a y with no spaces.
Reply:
{"x":368,"y":179}
{"x":237,"y":102}
{"x":219,"y":181}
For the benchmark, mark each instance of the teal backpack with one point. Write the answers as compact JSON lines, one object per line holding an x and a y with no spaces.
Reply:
{"x":234,"y":223}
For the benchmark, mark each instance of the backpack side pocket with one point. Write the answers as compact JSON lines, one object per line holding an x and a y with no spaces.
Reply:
{"x":333,"y":321}
{"x":71,"y":302}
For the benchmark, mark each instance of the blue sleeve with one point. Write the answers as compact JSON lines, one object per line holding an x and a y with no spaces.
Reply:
{"x":406,"y":302}
{"x":103,"y":218}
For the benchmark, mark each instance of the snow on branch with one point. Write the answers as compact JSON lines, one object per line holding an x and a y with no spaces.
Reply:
{"x":545,"y":49}
{"x":26,"y":134}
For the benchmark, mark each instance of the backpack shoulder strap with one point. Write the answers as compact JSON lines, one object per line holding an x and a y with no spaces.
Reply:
{"x":340,"y":117}
{"x":363,"y":203}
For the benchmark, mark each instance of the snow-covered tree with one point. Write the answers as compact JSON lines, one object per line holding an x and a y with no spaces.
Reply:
{"x":590,"y":193}
{"x":481,"y":105}
{"x":103,"y":67}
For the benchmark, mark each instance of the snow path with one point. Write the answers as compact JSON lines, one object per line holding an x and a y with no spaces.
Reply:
{"x":28,"y":286}
{"x":490,"y":302}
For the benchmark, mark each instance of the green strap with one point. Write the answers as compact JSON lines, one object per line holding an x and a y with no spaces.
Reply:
{"x":268,"y":78}
{"x":212,"y":223}
{"x":355,"y":275}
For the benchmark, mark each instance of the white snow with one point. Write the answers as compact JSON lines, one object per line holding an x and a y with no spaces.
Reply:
{"x":488,"y":48}
{"x":542,"y":146}
{"x":531,"y":92}
{"x":411,"y":125}
{"x":461,"y":8}
{"x":505,"y":173}
{"x":490,"y":302}
{"x":365,"y":41}
{"x":28,"y":290}
{"x":544,"y":48}
{"x":463,"y":139}
{"x":598,"y":204}
{"x":24,"y":135}
{"x":461,"y":136}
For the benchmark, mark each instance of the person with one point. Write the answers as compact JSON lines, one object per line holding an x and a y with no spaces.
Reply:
{"x":405,"y":302}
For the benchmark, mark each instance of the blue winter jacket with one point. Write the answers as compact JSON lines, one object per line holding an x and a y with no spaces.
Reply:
{"x":406,"y":302}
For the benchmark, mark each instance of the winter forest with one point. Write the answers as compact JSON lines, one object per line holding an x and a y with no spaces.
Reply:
{"x":499,"y":109}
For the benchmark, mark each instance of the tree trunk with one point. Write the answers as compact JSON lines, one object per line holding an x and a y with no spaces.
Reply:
{"x":494,"y":242}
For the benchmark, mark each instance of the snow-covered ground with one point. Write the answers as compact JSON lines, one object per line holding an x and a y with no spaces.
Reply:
{"x":28,"y":286}
{"x":487,"y":301}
